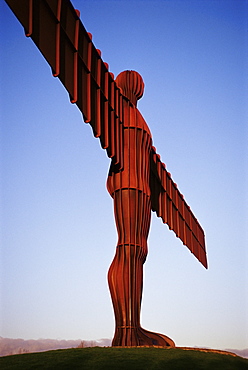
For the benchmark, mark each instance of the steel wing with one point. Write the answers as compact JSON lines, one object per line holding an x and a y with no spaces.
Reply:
{"x":57,"y":31}
{"x":169,"y":204}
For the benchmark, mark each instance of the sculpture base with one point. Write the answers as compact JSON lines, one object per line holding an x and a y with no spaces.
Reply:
{"x":127,"y":336}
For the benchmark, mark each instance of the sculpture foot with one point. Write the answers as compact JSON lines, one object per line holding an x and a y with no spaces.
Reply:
{"x":133,"y":337}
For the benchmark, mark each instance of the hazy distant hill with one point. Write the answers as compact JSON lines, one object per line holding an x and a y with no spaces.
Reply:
{"x":10,"y":346}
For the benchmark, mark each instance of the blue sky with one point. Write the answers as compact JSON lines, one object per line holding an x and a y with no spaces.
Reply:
{"x":58,"y":234}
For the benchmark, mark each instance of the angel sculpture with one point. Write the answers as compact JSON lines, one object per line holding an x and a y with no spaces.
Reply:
{"x":130,"y":189}
{"x":138,"y":181}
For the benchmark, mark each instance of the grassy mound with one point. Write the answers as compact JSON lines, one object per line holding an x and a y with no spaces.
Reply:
{"x":122,"y":359}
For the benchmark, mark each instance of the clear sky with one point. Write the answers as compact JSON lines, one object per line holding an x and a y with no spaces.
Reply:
{"x":58,"y":233}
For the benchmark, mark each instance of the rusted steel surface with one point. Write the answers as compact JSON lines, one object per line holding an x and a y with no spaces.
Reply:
{"x":131,"y":192}
{"x":170,"y":205}
{"x":138,"y":180}
{"x":57,"y":31}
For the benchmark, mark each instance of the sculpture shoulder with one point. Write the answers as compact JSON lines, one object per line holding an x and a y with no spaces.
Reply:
{"x":141,"y":123}
{"x":135,"y":119}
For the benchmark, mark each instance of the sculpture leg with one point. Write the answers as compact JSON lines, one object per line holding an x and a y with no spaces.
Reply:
{"x":132,"y":214}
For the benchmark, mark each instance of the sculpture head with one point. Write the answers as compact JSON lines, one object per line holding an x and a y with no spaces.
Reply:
{"x":131,"y":84}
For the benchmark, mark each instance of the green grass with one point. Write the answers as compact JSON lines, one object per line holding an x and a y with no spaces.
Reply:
{"x":123,"y":359}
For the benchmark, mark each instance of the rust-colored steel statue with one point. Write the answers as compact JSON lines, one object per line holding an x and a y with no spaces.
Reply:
{"x":130,"y":189}
{"x":138,"y":181}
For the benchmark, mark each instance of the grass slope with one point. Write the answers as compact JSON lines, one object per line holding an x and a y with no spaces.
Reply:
{"x":122,"y":359}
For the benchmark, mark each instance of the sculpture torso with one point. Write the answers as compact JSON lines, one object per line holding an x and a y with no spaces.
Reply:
{"x":137,"y":146}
